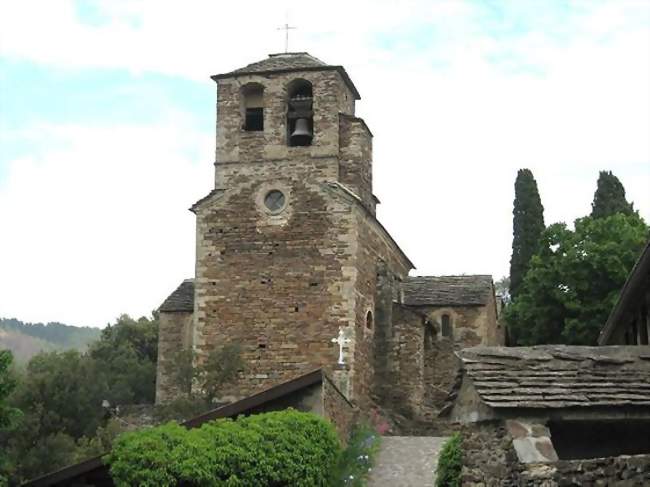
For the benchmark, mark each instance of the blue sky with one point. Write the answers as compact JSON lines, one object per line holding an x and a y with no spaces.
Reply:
{"x":107,"y":128}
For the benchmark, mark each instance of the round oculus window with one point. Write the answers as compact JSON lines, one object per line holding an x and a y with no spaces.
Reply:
{"x":274,"y":201}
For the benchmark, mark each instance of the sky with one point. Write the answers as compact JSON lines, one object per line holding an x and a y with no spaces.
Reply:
{"x":107,"y":119}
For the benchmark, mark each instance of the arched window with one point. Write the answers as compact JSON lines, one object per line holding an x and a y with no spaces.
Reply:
{"x":445,"y":322}
{"x":369,"y":320}
{"x":253,"y":107}
{"x":300,"y":116}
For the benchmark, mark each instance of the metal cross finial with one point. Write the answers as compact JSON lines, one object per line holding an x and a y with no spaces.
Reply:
{"x":286,"y":28}
{"x":341,"y":341}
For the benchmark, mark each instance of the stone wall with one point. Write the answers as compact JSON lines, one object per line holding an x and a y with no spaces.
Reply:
{"x":623,"y":471}
{"x":400,"y":384}
{"x":440,"y":371}
{"x":234,"y":145}
{"x":355,"y":166}
{"x":472,"y":325}
{"x":375,"y":250}
{"x":174,"y":335}
{"x":341,"y":412}
{"x":282,"y":284}
{"x":489,"y":459}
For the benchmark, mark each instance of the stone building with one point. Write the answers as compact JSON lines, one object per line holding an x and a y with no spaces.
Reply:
{"x":289,"y":252}
{"x":629,"y":321}
{"x":561,"y":415}
{"x":554,"y":414}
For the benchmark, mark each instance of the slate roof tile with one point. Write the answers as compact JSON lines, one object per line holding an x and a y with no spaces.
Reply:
{"x":182,"y":299}
{"x":287,"y":62}
{"x":447,"y":290}
{"x":558,"y":376}
{"x":282,"y":61}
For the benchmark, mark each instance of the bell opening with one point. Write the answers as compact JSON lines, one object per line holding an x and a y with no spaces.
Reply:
{"x":300,"y":115}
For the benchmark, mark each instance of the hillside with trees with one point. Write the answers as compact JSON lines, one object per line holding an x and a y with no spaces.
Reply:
{"x":66,"y":399}
{"x":25,"y":340}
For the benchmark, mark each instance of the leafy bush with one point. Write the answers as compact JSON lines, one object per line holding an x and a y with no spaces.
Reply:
{"x":357,"y":459}
{"x":450,"y":463}
{"x":277,"y":448}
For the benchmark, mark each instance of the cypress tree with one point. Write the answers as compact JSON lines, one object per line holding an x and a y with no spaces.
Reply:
{"x":527,"y":227}
{"x":609,"y":197}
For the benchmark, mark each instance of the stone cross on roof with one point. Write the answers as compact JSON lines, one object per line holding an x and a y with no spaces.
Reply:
{"x":341,"y":341}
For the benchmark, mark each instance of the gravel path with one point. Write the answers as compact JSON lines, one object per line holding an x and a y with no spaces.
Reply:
{"x":406,"y":461}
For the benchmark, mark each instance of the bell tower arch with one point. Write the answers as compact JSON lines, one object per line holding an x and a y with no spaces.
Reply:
{"x":300,"y":116}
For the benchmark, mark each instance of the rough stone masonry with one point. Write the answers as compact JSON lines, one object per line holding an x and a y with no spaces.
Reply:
{"x":289,"y":250}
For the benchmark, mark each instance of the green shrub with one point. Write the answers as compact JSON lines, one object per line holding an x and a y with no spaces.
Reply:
{"x":278,"y":448}
{"x":450,"y":463}
{"x":358,"y":457}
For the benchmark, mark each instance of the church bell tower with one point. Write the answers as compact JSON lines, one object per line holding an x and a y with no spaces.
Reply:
{"x":287,"y":241}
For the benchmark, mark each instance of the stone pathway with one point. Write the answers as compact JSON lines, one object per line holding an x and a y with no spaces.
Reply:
{"x":406,"y":461}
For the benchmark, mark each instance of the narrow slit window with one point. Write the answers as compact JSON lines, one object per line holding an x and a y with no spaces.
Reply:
{"x":369,"y":321}
{"x":446,"y":326}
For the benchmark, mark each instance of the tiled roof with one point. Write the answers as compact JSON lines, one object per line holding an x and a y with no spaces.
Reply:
{"x":282,"y":61}
{"x":559,"y":376}
{"x":447,"y":290}
{"x":287,"y":62}
{"x":182,"y":299}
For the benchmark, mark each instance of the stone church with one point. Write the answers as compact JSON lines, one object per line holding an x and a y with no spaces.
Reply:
{"x":294,"y":267}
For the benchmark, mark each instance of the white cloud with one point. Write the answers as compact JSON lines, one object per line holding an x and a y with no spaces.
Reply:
{"x":100,"y":225}
{"x":456,"y":106}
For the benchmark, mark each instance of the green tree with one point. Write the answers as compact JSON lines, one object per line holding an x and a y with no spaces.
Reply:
{"x":609,"y":197}
{"x":7,"y":385}
{"x":278,"y":448}
{"x":221,"y":367}
{"x":127,"y":353}
{"x":181,"y":371}
{"x":527,"y":227}
{"x":574,"y":280}
{"x":8,"y":414}
{"x":64,"y":390}
{"x":61,"y":396}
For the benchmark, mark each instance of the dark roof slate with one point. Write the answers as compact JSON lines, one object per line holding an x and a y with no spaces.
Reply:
{"x":282,"y":61}
{"x":182,"y":299}
{"x":559,"y":376}
{"x":290,"y":61}
{"x":447,"y":290}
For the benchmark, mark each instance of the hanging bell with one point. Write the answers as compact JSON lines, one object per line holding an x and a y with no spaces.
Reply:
{"x":301,"y":134}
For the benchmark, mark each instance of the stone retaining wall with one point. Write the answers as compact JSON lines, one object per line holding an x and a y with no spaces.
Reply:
{"x":489,"y":459}
{"x":623,"y":471}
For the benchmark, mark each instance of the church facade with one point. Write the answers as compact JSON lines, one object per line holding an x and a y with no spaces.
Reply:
{"x":292,"y":265}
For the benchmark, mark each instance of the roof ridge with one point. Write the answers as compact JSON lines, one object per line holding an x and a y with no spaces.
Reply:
{"x":455,"y":275}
